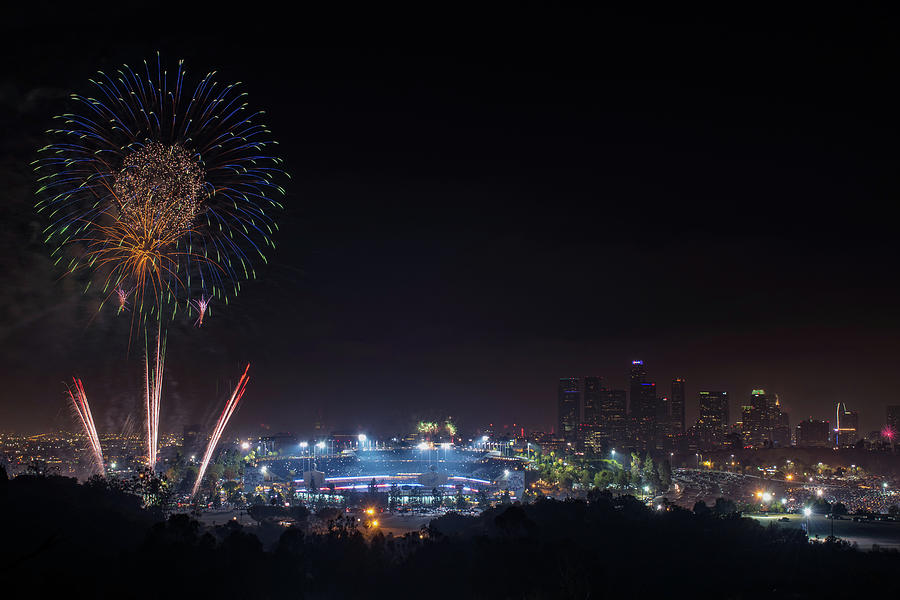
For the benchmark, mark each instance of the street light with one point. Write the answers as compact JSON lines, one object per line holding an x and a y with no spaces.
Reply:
{"x":245,"y":446}
{"x":304,"y":445}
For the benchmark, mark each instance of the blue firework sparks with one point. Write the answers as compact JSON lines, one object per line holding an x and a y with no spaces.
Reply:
{"x":160,"y":188}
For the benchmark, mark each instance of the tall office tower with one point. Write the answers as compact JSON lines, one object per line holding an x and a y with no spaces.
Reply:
{"x":781,"y":434}
{"x":662,"y":423}
{"x":637,"y":376}
{"x":644,"y":418}
{"x":569,"y":406}
{"x":813,"y":433}
{"x":759,"y":418}
{"x":746,"y":423}
{"x":676,"y":406}
{"x":712,"y":426}
{"x":614,"y":416}
{"x":846,"y":426}
{"x":642,"y":406}
{"x":893,"y":417}
{"x":592,"y":394}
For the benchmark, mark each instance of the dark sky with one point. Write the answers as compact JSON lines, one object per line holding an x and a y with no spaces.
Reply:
{"x":483,"y":203}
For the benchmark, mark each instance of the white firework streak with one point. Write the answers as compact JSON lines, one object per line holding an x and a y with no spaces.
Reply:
{"x":153,"y":396}
{"x":230,"y":407}
{"x":83,"y":410}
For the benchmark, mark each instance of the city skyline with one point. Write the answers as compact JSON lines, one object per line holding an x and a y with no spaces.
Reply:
{"x":708,"y":414}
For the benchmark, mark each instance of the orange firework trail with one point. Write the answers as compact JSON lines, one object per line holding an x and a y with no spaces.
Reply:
{"x":230,"y":407}
{"x":153,"y":395}
{"x":83,"y":409}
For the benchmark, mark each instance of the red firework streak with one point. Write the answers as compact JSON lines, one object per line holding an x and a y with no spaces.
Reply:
{"x":230,"y":407}
{"x":83,"y":409}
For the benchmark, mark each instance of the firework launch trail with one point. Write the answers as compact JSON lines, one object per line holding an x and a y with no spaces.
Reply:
{"x":153,"y":396}
{"x":83,"y":410}
{"x":230,"y":407}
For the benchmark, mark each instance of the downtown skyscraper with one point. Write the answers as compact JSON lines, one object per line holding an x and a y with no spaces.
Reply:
{"x":763,"y":423}
{"x":676,"y":407}
{"x":846,"y":426}
{"x":712,"y":425}
{"x":569,"y":407}
{"x":641,"y":406}
{"x":589,"y":413}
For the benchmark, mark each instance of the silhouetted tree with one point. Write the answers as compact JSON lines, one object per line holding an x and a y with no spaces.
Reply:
{"x":649,"y":473}
{"x":724,"y":507}
{"x":460,"y":499}
{"x":393,"y":497}
{"x":664,"y":470}
{"x":636,"y":479}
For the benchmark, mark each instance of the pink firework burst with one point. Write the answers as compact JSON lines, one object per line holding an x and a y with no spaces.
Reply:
{"x":122,"y":296}
{"x":888,"y":433}
{"x":201,"y":305}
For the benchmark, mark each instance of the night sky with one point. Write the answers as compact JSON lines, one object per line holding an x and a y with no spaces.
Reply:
{"x":481,"y":204}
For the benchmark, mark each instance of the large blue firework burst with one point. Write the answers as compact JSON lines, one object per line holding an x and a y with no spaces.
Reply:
{"x":159,"y":189}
